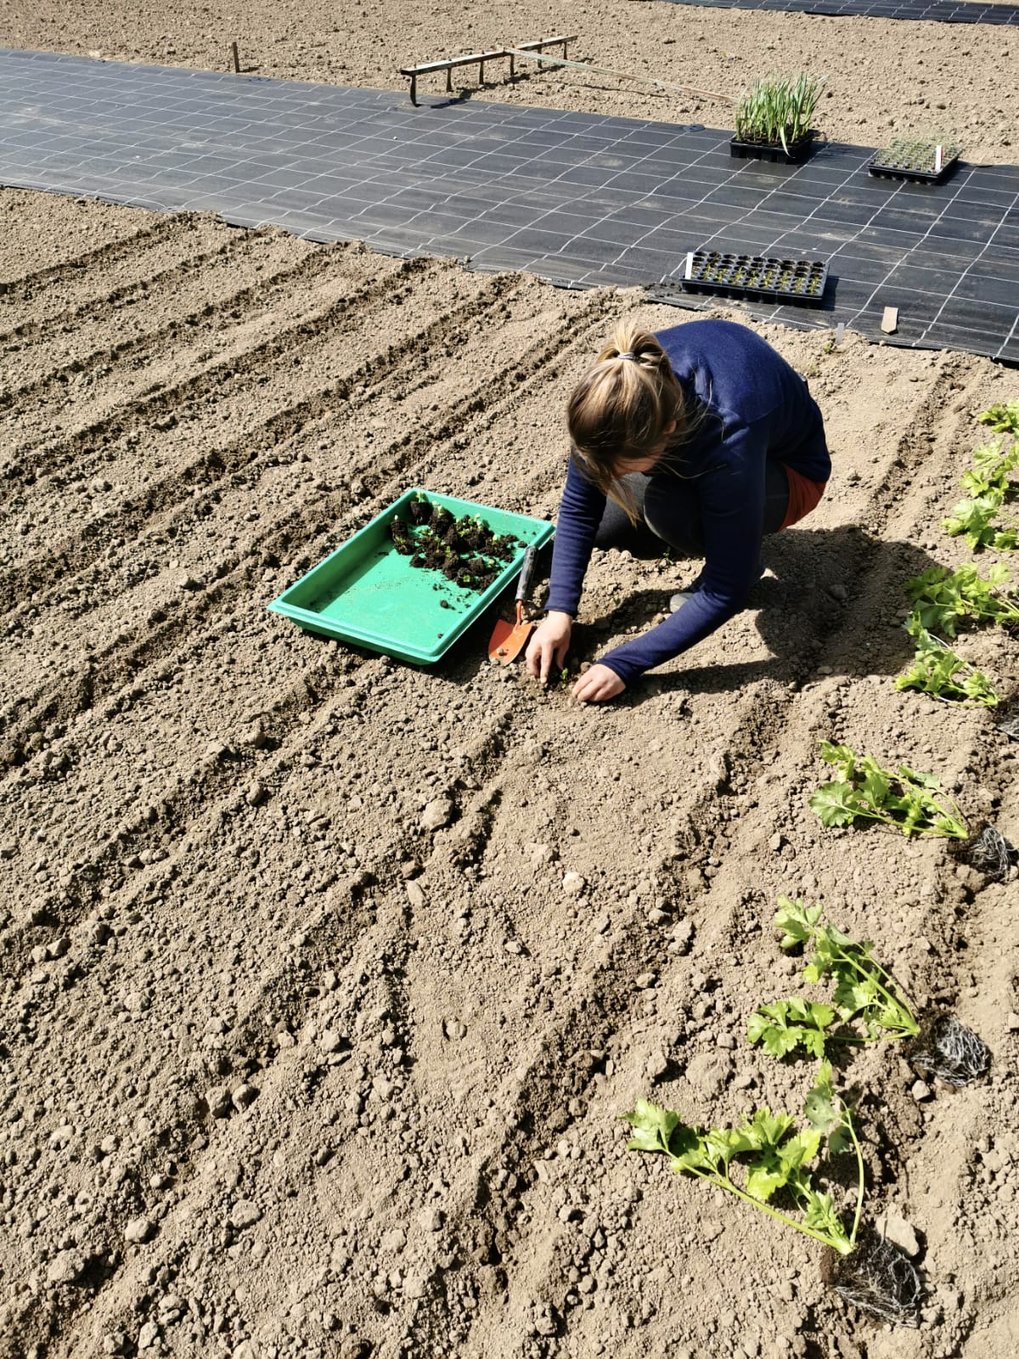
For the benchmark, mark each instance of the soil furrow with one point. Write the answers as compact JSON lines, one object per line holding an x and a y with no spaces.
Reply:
{"x":244,"y":365}
{"x":120,"y":349}
{"x":98,"y":269}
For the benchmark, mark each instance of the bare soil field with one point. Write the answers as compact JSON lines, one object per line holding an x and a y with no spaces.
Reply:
{"x":327,"y":979}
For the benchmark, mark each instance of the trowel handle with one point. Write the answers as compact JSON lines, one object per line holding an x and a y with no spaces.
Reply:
{"x":526,"y":572}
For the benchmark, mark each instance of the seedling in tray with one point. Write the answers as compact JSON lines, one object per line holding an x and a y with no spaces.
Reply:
{"x":863,"y":790}
{"x":755,"y":276}
{"x":773,"y":118}
{"x":771,"y":1164}
{"x":868,"y":1005}
{"x":465,"y":550}
{"x":925,"y":160}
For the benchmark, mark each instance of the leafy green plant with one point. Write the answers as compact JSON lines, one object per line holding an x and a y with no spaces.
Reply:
{"x":943,"y":599}
{"x":778,"y":110}
{"x":765,"y":1157}
{"x":864,"y":790}
{"x":867,"y":1006}
{"x":939,"y":671}
{"x":1003,"y":418}
{"x":785,"y":1025}
{"x":866,"y":994}
{"x":989,"y":488}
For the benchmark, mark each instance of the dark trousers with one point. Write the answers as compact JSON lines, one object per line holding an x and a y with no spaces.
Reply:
{"x":668,"y":515}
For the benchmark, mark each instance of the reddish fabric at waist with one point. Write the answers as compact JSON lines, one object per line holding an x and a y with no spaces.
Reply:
{"x":803,"y":496}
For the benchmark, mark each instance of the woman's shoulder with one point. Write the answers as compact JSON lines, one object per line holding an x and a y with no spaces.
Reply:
{"x":730,"y":368}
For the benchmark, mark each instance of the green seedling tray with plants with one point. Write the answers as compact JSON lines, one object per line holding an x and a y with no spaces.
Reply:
{"x":368,"y":593}
{"x":912,"y":158}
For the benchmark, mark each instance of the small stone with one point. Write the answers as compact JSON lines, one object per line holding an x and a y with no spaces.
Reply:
{"x":920,"y":1091}
{"x":682,"y":936}
{"x":573,"y":884}
{"x":243,"y":1096}
{"x":330,"y":1041}
{"x":454,"y":1029}
{"x":254,"y":793}
{"x":148,"y":1335}
{"x":900,"y":1233}
{"x":244,"y":1213}
{"x":139,"y":1229}
{"x":776,"y":842}
{"x":383,"y":1087}
{"x":66,"y":1267}
{"x":217,"y":1097}
{"x":415,"y":894}
{"x":114,"y":1342}
{"x":645,"y":981}
{"x":432,"y":1219}
{"x":415,"y":1285}
{"x":437,"y":813}
{"x":1013,"y":1022}
{"x":247,"y":1349}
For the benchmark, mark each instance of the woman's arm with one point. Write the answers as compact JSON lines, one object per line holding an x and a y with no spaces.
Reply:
{"x":732,"y":515}
{"x":580,"y":513}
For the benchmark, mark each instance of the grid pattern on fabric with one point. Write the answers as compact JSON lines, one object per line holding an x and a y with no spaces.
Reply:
{"x":930,"y":11}
{"x":578,"y":199}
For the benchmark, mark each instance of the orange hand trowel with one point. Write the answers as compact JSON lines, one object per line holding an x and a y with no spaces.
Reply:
{"x":509,"y":639}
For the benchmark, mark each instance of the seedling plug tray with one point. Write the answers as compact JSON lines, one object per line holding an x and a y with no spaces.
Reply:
{"x":914,"y":161}
{"x":759,"y":278}
{"x":369,"y":594}
{"x":799,"y":150}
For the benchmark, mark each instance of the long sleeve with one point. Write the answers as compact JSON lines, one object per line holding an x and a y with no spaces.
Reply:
{"x":580,"y":513}
{"x":732,"y":508}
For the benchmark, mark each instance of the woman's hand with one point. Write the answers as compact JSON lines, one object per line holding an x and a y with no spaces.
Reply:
{"x":549,"y":645}
{"x":597,"y":685}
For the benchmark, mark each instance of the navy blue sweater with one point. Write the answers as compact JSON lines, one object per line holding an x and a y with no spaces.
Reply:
{"x":755,"y":407}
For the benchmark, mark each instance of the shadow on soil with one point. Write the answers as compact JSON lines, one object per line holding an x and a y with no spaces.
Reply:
{"x":820,"y":583}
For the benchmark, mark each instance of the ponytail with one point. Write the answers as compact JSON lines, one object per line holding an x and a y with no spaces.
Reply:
{"x":621,"y":408}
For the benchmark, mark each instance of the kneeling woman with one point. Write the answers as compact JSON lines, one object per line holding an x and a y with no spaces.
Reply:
{"x":701,"y":439}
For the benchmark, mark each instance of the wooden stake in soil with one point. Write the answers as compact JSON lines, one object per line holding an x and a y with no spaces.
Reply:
{"x":236,"y":57}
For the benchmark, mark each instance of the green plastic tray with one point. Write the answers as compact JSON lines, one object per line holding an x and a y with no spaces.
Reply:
{"x":367,"y":593}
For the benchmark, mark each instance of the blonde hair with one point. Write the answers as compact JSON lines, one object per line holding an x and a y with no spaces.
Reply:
{"x":621,"y":408}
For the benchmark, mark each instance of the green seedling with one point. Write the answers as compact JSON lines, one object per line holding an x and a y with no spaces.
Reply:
{"x":945,"y":599}
{"x":777,"y":111}
{"x":916,"y":154}
{"x":1003,"y":418}
{"x":785,"y":1025}
{"x":939,"y":671}
{"x":765,"y":1158}
{"x":868,"y":1005}
{"x":866,"y":995}
{"x":989,"y":488}
{"x":864,"y":790}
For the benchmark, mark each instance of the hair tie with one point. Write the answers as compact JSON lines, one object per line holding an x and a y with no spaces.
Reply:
{"x":627,"y":354}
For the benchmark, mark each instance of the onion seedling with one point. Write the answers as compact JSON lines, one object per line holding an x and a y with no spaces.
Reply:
{"x":778,"y":110}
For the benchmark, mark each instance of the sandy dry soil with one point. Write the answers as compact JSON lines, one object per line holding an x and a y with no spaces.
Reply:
{"x":326,"y":979}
